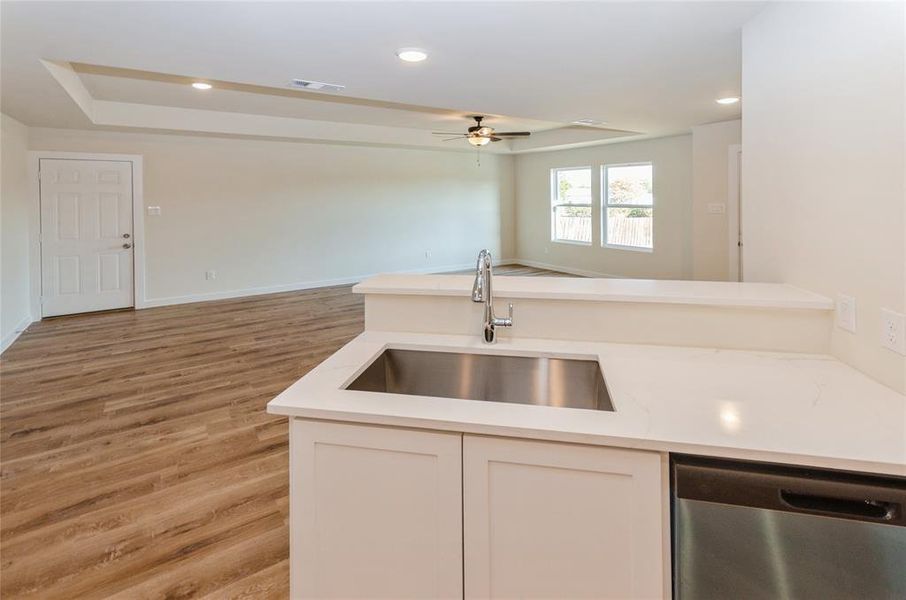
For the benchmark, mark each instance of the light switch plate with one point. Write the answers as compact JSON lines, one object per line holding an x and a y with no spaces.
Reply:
{"x":846,"y":312}
{"x":153,"y":211}
{"x":893,"y":331}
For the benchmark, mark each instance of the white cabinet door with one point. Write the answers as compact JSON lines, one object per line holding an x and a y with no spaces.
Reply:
{"x":86,"y":236}
{"x":550,"y":520}
{"x":375,"y":512}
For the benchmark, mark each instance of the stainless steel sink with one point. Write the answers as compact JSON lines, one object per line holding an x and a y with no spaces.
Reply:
{"x":566,"y":382}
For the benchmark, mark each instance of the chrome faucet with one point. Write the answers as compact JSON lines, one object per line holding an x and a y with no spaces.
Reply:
{"x":482,"y":292}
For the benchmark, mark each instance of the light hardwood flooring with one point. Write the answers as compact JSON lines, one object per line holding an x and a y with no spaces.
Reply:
{"x":136,"y":456}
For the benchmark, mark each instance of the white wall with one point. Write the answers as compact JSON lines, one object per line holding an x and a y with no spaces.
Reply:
{"x":710,"y":153}
{"x":270,"y":215}
{"x":672,"y":255}
{"x":14,"y":214}
{"x":823,"y":162}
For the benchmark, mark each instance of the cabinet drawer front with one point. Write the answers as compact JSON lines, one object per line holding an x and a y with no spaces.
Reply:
{"x":375,"y":512}
{"x":557,"y":520}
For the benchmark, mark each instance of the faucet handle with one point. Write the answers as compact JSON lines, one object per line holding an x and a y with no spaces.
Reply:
{"x":506,"y":322}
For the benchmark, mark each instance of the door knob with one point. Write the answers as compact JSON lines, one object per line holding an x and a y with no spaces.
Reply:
{"x":127,"y":246}
{"x":126,"y":236}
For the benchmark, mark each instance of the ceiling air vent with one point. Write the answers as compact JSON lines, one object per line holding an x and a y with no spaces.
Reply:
{"x":317,"y":86}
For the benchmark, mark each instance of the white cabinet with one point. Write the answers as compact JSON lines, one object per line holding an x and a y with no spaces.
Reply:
{"x":551,"y":520}
{"x":382,"y":512}
{"x":375,"y":512}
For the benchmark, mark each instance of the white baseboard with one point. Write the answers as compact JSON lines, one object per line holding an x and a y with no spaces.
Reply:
{"x":292,"y":287}
{"x":307,"y":285}
{"x":563,"y":269}
{"x":13,"y":335}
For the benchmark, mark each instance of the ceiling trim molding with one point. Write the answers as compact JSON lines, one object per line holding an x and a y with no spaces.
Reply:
{"x":168,"y":118}
{"x":138,"y":116}
{"x":72,"y":84}
{"x":87,"y":69}
{"x":146,"y":116}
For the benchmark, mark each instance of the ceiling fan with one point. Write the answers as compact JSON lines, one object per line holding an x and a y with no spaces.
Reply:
{"x":481,"y":135}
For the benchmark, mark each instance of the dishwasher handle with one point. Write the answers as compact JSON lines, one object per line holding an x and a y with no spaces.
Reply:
{"x":842,"y":495}
{"x":844,"y":507}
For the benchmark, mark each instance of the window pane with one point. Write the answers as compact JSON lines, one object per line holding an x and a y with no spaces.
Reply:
{"x":629,"y":185}
{"x":574,"y":187}
{"x":572,"y":223}
{"x":630,"y":227}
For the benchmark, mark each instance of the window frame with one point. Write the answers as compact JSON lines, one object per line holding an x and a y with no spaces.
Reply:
{"x":553,"y":207}
{"x":605,"y":204}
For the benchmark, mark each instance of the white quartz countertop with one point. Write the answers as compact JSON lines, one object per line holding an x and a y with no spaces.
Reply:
{"x":789,"y":408}
{"x":708,"y":293}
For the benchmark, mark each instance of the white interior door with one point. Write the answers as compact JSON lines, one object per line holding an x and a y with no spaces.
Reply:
{"x":86,"y":236}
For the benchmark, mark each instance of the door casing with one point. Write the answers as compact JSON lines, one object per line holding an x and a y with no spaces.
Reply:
{"x":34,"y":233}
{"x":735,"y":252}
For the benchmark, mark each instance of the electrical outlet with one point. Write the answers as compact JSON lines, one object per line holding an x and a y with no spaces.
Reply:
{"x":846,"y":312}
{"x":717,"y":208}
{"x":210,"y":275}
{"x":893,"y":331}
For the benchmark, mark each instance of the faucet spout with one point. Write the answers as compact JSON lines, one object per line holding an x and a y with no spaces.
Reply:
{"x":482,"y":291}
{"x":478,"y":287}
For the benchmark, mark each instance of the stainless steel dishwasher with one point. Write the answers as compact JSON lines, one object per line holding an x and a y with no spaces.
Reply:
{"x":752,"y":530}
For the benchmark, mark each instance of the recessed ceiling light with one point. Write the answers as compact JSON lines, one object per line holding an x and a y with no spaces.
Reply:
{"x":589,"y":122}
{"x":201,"y":85}
{"x":412,"y":54}
{"x":728,"y":100}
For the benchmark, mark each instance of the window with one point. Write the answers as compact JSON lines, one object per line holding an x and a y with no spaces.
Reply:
{"x":571,"y":205}
{"x":628,"y":202}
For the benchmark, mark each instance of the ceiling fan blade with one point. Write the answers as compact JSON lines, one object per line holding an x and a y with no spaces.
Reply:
{"x":446,"y":133}
{"x":513,"y":133}
{"x":494,"y":138}
{"x":452,"y":138}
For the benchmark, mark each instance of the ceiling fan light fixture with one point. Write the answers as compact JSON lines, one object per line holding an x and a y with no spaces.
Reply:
{"x":479,"y":135}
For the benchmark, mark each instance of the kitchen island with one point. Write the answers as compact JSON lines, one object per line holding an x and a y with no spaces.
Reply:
{"x":422,"y":496}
